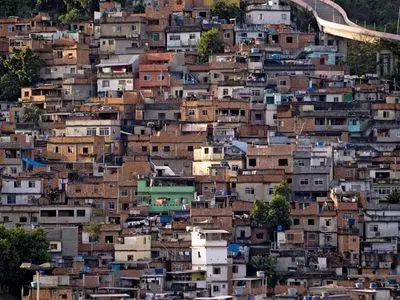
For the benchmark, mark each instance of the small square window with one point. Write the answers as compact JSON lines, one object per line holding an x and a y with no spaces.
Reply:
{"x":154,"y":149}
{"x":167,"y":149}
{"x":144,"y":148}
{"x":80,"y":213}
{"x":190,"y":148}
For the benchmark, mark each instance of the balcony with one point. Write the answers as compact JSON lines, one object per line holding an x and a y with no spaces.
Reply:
{"x":311,"y":169}
{"x":128,"y":75}
{"x":347,"y":230}
{"x":340,"y":128}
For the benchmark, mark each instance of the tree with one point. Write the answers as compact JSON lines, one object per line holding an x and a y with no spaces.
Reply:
{"x":393,"y":197}
{"x":32,"y":114}
{"x":275,"y":212}
{"x":17,"y":246}
{"x":210,"y":43}
{"x":361,"y":57}
{"x":259,"y":214}
{"x":226,"y":11}
{"x":21,"y":8}
{"x":267,"y":264}
{"x":20,"y":69}
{"x":282,"y":189}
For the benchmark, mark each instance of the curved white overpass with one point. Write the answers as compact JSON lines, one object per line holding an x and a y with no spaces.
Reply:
{"x":332,"y":19}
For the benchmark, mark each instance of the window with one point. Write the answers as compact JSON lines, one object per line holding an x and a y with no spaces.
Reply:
{"x":215,"y":288}
{"x":80,"y":213}
{"x":206,"y":150}
{"x":249,"y":190}
{"x":160,"y":77}
{"x":144,"y":148}
{"x":296,"y":221}
{"x":53,"y":246}
{"x":258,"y":117}
{"x":260,"y":235}
{"x":23,"y":219}
{"x":17,"y":183}
{"x":386,"y":114}
{"x":154,"y":149}
{"x":290,"y":236}
{"x":133,"y":27}
{"x":11,"y":199}
{"x":191,"y":112}
{"x":70,"y":149}
{"x":190,"y":148}
{"x":335,"y":99}
{"x":31,"y":183}
{"x":311,"y":222}
{"x":66,"y":213}
{"x":318,"y":181}
{"x":147,"y":77}
{"x":167,"y":149}
{"x":104,"y":131}
{"x":282,"y":162}
{"x":174,"y":37}
{"x":304,"y":181}
{"x":216,"y":270}
{"x":235,"y":269}
{"x":192,"y":36}
{"x":312,"y":236}
{"x":235,"y":167}
{"x":289,"y":39}
{"x":283,"y":17}
{"x":85,"y":150}
{"x":161,"y":116}
{"x":13,"y":170}
{"x":227,"y":35}
{"x":260,"y":17}
{"x":6,"y":219}
{"x":327,"y":222}
{"x":300,"y":163}
{"x":225,"y":92}
{"x":282,"y":82}
{"x":204,"y":112}
{"x":198,"y":254}
{"x":252,"y":162}
{"x":123,"y":193}
{"x":105,"y":83}
{"x":111,"y":205}
{"x":91,"y":131}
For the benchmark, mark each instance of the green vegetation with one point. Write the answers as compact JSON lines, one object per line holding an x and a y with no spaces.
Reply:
{"x":61,"y":10}
{"x":361,"y":57}
{"x":382,"y":13}
{"x":210,"y":43}
{"x":275,"y":212}
{"x":18,"y":246}
{"x":20,"y":69}
{"x":267,"y":264}
{"x":32,"y":114}
{"x":393,"y":197}
{"x":94,"y":230}
{"x":304,"y":19}
{"x":226,"y":11}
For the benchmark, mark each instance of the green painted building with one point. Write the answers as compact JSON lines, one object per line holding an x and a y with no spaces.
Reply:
{"x":166,"y":194}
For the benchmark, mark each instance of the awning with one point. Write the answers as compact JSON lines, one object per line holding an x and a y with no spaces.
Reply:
{"x":234,"y":248}
{"x":182,"y":214}
{"x":165,"y":219}
{"x":33,"y":162}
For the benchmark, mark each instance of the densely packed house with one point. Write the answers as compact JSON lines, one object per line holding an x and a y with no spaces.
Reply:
{"x":143,"y":162}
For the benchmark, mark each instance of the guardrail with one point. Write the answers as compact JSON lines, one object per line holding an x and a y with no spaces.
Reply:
{"x":350,"y":30}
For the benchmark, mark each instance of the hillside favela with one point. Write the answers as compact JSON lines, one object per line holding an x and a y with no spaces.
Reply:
{"x":199,"y":149}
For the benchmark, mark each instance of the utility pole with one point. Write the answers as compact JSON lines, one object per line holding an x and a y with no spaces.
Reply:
{"x":398,"y":22}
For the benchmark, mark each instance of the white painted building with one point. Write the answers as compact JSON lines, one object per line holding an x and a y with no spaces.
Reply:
{"x":210,"y":253}
{"x":110,"y":129}
{"x":268,"y":13}
{"x":20,"y":191}
{"x":183,"y":40}
{"x":117,"y":73}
